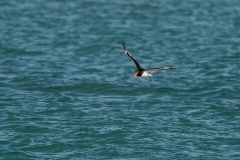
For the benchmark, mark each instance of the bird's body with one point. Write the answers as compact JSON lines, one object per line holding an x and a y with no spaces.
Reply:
{"x":143,"y":72}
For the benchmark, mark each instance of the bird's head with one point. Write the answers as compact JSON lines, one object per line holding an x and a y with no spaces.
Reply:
{"x":136,"y":73}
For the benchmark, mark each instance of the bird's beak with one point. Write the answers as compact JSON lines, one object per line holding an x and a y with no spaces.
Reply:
{"x":135,"y":74}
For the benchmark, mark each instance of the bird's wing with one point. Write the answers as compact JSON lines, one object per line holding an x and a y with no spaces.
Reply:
{"x":162,"y":68}
{"x":130,"y":56}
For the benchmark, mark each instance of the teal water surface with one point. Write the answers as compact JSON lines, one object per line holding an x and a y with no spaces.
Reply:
{"x":67,"y":89}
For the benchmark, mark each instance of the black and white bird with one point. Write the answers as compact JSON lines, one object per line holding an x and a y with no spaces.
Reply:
{"x":143,"y":72}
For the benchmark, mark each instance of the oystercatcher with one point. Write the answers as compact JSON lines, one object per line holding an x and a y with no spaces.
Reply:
{"x":143,"y":72}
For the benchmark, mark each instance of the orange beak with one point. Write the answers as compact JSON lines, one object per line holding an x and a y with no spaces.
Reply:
{"x":136,"y":73}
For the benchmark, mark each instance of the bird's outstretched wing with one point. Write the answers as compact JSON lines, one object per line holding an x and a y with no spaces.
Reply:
{"x":162,"y":68}
{"x":130,"y":56}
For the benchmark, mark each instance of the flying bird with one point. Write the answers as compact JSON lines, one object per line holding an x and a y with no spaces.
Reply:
{"x":143,"y":72}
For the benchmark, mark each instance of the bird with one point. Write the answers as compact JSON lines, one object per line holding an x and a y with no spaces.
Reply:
{"x":140,"y":72}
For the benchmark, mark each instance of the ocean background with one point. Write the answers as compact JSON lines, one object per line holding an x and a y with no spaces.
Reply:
{"x":67,"y":89}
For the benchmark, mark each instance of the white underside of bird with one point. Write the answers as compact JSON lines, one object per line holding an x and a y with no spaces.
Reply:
{"x":146,"y":74}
